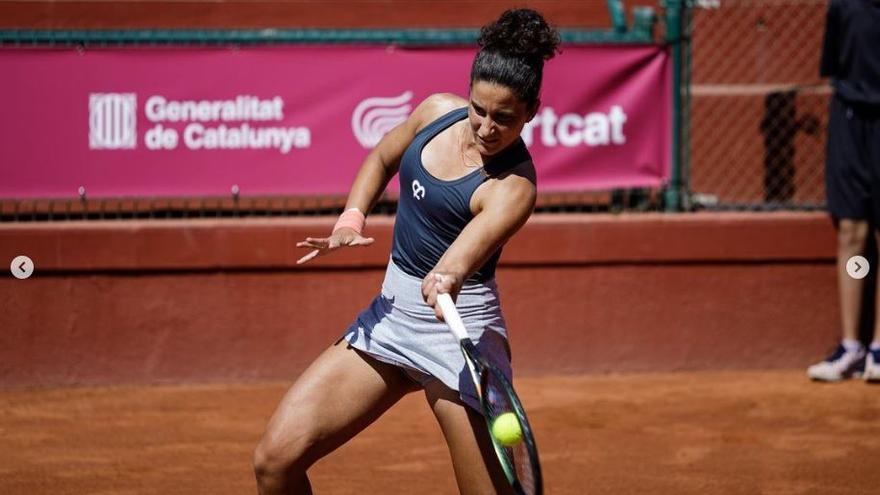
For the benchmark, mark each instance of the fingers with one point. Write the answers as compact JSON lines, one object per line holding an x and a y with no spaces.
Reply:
{"x":438,"y":281}
{"x":313,"y":242}
{"x":428,"y":289}
{"x":317,"y":245}
{"x":362,"y":241}
{"x":335,"y":241}
{"x":434,"y":284}
{"x":324,"y":245}
{"x":308,"y":257}
{"x":442,"y":285}
{"x":445,"y":285}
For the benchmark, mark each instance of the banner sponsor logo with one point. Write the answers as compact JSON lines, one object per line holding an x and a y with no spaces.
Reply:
{"x":374,"y":117}
{"x":204,"y":132}
{"x":112,"y":121}
{"x":572,"y":129}
{"x":113,"y":116}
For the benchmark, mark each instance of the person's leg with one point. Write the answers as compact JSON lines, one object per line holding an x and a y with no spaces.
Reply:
{"x":872,"y":361}
{"x":339,"y":395}
{"x":476,"y":467}
{"x":851,"y":239}
{"x":848,"y":185}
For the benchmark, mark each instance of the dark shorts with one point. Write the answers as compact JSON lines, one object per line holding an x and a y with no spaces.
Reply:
{"x":852,"y":167}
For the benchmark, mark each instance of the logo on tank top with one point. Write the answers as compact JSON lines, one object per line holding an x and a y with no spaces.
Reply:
{"x":418,"y":190}
{"x":374,"y":117}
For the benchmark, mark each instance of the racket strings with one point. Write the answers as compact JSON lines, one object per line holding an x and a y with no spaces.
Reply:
{"x":517,"y":457}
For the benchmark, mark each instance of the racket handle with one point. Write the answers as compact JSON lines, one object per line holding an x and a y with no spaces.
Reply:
{"x":450,"y":314}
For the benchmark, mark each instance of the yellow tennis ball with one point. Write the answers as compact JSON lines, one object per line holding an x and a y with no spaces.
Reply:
{"x":506,"y":429}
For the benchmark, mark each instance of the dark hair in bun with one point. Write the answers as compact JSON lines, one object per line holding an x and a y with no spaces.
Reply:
{"x":513,"y":50}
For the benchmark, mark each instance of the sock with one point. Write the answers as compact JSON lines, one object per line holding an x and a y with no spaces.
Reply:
{"x":851,"y":345}
{"x":875,"y":346}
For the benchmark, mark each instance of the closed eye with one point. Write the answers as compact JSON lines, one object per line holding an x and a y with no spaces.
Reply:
{"x":502,"y":118}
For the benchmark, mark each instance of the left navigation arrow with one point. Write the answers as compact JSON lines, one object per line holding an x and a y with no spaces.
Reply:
{"x":22,"y":267}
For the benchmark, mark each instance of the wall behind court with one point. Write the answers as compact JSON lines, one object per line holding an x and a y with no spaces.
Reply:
{"x":222,"y":300}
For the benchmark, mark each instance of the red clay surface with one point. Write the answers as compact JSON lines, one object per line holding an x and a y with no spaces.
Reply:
{"x":682,"y":433}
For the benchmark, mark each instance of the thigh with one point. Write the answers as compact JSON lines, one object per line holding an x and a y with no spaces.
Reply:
{"x":340,"y":394}
{"x":477,"y":470}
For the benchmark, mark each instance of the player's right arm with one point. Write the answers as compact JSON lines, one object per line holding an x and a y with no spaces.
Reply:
{"x":377,"y":171}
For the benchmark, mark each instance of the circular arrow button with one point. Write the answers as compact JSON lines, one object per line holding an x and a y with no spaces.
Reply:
{"x":857,"y":267}
{"x":22,"y":267}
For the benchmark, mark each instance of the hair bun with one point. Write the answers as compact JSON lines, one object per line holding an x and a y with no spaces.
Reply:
{"x":521,"y":33}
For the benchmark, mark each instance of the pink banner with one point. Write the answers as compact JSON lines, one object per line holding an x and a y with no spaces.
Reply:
{"x":299,"y":119}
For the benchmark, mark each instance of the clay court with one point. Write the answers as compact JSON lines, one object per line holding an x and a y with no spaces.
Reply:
{"x":673,"y":433}
{"x":138,"y":368}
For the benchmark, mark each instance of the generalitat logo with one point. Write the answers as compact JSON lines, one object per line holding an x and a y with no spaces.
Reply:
{"x":112,"y":121}
{"x":374,"y":117}
{"x":236,"y":123}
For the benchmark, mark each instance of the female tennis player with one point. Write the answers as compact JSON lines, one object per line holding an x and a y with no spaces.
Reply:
{"x":467,"y":185}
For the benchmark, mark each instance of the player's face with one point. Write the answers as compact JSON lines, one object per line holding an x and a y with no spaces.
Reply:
{"x":496,"y":116}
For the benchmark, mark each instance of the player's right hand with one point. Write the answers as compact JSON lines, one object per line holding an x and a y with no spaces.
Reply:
{"x":436,"y":283}
{"x":322,"y":245}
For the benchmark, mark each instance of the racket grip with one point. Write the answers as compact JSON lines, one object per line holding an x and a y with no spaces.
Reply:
{"x":450,"y":314}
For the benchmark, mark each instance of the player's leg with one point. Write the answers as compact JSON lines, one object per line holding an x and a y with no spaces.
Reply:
{"x":477,"y":470}
{"x":339,"y":395}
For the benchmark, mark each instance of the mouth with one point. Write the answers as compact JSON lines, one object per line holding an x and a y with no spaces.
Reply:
{"x":487,"y":142}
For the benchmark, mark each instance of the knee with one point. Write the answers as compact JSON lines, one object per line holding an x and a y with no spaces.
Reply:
{"x":277,"y":459}
{"x":852,"y":236}
{"x":266,"y":461}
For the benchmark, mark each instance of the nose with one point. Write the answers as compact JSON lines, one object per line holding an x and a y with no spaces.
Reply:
{"x":487,"y":128}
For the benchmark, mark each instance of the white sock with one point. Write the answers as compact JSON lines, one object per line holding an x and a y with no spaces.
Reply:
{"x":851,"y":345}
{"x":875,"y":346}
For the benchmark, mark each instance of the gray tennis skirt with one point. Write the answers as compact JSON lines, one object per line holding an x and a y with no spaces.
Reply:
{"x":399,"y":328}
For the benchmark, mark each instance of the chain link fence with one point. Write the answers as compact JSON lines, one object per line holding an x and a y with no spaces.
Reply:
{"x":757,"y":107}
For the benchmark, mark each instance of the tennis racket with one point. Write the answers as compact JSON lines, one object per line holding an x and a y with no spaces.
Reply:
{"x":519,"y":461}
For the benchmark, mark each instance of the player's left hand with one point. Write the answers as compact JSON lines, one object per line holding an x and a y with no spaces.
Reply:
{"x":320,"y":246}
{"x":439,"y":283}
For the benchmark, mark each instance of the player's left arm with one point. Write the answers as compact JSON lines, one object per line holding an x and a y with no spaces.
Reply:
{"x":501,"y":212}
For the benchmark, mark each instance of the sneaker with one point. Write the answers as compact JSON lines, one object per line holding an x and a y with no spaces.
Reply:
{"x":839,"y":366}
{"x":872,"y":366}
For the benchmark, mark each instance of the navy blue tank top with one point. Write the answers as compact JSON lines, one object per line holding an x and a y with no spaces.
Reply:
{"x":432,"y":212}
